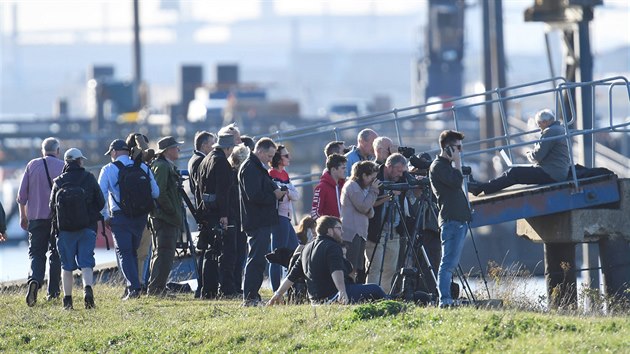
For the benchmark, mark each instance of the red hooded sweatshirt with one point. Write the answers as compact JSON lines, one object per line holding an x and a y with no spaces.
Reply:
{"x":326,"y":197}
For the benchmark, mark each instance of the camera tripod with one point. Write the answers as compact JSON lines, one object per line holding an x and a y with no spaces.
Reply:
{"x":412,"y":244}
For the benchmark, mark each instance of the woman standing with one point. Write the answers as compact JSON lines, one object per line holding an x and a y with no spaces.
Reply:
{"x":357,"y":200}
{"x":282,"y":235}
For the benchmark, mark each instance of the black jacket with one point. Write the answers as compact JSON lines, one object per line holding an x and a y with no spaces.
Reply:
{"x":193,"y":174}
{"x":446,"y":183}
{"x":95,"y":202}
{"x":259,"y":206}
{"x":215,"y":177}
{"x":375,"y":224}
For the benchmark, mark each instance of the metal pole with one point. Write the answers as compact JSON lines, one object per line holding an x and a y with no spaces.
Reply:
{"x":137,"y":68}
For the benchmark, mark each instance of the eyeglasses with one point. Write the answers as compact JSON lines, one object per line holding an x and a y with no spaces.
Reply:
{"x":459,"y":147}
{"x":287,"y":156}
{"x":338,"y":227}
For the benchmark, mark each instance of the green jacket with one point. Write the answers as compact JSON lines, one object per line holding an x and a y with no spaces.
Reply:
{"x":169,"y":202}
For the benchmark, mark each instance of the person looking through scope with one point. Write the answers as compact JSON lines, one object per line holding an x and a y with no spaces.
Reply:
{"x":383,"y":240}
{"x":446,"y":179}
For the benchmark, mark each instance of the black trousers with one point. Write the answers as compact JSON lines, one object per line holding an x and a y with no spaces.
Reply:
{"x":218,"y":262}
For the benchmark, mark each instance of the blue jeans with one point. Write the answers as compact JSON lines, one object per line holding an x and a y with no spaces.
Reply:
{"x":259,"y":241}
{"x":364,"y":292}
{"x":39,"y":242}
{"x":127,"y":233}
{"x":282,"y":236}
{"x":453,"y":236}
{"x":76,"y":249}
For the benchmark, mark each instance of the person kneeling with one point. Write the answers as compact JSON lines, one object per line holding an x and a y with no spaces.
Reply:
{"x":322,"y":265}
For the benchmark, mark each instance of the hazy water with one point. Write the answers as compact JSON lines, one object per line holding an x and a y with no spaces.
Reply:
{"x":14,"y":263}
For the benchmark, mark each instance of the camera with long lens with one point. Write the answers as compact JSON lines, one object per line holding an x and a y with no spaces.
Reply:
{"x":406,"y":151}
{"x":210,"y":237}
{"x":422,"y":161}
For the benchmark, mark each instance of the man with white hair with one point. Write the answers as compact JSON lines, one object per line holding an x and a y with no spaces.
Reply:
{"x":363,"y":151}
{"x":550,"y":160}
{"x":33,"y":201}
{"x":383,"y":147}
{"x":76,"y":201}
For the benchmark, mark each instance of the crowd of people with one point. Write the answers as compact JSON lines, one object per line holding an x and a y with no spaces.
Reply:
{"x":359,"y":235}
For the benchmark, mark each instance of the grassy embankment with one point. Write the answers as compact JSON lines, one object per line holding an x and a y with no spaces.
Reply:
{"x":185,"y":325}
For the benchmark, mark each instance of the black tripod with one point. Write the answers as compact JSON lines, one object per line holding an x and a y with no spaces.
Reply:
{"x":411,"y":257}
{"x":187,"y":244}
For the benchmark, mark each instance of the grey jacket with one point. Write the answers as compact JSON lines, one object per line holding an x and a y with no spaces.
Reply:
{"x":356,"y":209}
{"x":552,"y":155}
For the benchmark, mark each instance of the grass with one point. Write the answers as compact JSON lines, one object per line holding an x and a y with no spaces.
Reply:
{"x":150,"y":325}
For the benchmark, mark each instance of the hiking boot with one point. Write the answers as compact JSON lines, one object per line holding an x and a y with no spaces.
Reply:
{"x":67,"y":303}
{"x":31,"y":294}
{"x":88,"y":297}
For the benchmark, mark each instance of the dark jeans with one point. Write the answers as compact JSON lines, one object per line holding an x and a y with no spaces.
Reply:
{"x":164,"y":242}
{"x":127,"y":233}
{"x":517,"y":175}
{"x":39,"y":242}
{"x":364,"y":292}
{"x":218,"y":266}
{"x":282,"y":236}
{"x":259,"y":241}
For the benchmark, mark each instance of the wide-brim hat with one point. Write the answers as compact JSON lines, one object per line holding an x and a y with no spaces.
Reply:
{"x":225,"y":141}
{"x":168,"y":142}
{"x":73,"y":154}
{"x":117,"y":145}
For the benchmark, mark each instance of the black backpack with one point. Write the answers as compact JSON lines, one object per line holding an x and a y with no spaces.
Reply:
{"x":135,"y":189}
{"x":71,"y":207}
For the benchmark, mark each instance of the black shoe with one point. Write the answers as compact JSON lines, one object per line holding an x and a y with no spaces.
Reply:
{"x":51,"y":297}
{"x":88,"y":297}
{"x":132,"y":294}
{"x":251,"y":303}
{"x":475,"y":188}
{"x":67,"y":303}
{"x":31,"y":294}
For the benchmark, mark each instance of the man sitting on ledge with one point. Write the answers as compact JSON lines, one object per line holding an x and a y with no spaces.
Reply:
{"x":322,"y":264}
{"x":550,"y":160}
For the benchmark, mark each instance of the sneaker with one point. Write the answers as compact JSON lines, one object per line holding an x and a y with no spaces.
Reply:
{"x":67,"y":303}
{"x":31,"y":294}
{"x":88,"y":297}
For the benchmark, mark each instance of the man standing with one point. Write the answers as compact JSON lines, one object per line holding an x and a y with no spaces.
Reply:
{"x":322,"y":264}
{"x":215,"y":181}
{"x":383,"y":147}
{"x":33,"y":200}
{"x":203,"y":145}
{"x":326,"y":196}
{"x":363,"y":151}
{"x":383,"y":244}
{"x":126,"y":228}
{"x":167,"y":218}
{"x":76,"y":201}
{"x":259,"y":213}
{"x":446,"y":182}
{"x":550,"y":157}
{"x":3,"y":224}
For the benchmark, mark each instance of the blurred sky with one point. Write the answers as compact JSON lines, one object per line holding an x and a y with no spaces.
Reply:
{"x":611,"y":28}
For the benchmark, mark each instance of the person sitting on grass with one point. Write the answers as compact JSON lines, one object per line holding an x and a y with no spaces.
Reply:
{"x":322,"y":265}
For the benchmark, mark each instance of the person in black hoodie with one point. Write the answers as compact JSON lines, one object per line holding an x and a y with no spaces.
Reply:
{"x":76,"y":226}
